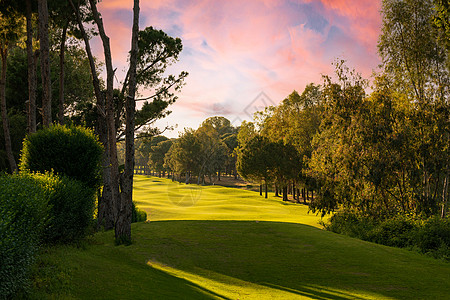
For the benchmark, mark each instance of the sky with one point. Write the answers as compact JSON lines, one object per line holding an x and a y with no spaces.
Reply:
{"x":244,"y":55}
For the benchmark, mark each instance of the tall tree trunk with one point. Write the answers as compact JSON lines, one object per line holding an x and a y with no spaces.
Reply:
{"x":9,"y":153}
{"x":265,"y":189}
{"x":45,"y":63}
{"x":31,"y":108}
{"x":285,"y":193}
{"x":123,"y":225}
{"x":445,"y":195}
{"x":62,"y":49}
{"x":110,"y":113}
{"x":105,"y":206}
{"x":260,"y":189}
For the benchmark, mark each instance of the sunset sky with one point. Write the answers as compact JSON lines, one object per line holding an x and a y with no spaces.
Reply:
{"x":242,"y":55}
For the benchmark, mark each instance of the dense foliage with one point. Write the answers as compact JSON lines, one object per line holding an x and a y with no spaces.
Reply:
{"x":206,"y":151}
{"x":138,"y":215}
{"x":72,"y":205}
{"x":73,"y":151}
{"x":24,"y":216}
{"x":430,"y":236}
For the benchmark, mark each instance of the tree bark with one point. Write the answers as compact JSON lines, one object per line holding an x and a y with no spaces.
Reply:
{"x":105,"y":216}
{"x":62,"y":49}
{"x":110,"y":113}
{"x":285,"y":193}
{"x":31,"y":108}
{"x":9,"y":153}
{"x":123,"y":225}
{"x":45,"y":63}
{"x":265,"y":189}
{"x":445,"y":195}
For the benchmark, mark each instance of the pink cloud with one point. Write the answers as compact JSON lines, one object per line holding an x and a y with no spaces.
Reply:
{"x":235,"y":49}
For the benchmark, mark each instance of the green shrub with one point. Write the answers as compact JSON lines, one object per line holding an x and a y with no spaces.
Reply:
{"x":430,"y":236}
{"x":73,"y":151}
{"x":23,"y":211}
{"x":72,"y":206}
{"x":351,"y":224}
{"x":433,"y":237}
{"x":137,"y":215}
{"x":396,"y":232}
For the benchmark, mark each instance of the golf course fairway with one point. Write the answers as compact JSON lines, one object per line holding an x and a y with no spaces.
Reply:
{"x":213,"y":242}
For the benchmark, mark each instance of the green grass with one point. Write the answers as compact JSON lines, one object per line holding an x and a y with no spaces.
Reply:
{"x":222,"y":243}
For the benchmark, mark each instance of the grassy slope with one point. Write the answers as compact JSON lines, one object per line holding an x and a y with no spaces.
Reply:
{"x":208,"y":245}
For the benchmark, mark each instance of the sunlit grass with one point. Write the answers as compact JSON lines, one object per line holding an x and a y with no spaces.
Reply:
{"x":234,"y":244}
{"x":163,"y":199}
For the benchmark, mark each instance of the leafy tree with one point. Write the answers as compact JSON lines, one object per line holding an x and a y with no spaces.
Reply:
{"x":442,"y":21}
{"x":182,"y":156}
{"x":157,"y":155}
{"x":416,"y":61}
{"x":213,"y":151}
{"x":256,"y":160}
{"x":231,"y":141}
{"x":337,"y":145}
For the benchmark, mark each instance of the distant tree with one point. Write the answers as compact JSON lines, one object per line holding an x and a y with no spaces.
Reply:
{"x":221,"y":125}
{"x":231,"y":141}
{"x":213,"y":151}
{"x":183,"y":155}
{"x":144,"y":148}
{"x":157,"y":155}
{"x":256,"y":160}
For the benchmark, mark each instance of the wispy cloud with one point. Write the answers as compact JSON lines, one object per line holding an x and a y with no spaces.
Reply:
{"x":235,"y":49}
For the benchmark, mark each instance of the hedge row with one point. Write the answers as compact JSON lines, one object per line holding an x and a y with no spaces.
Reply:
{"x":24,"y":211}
{"x":57,"y":207}
{"x":429,"y":236}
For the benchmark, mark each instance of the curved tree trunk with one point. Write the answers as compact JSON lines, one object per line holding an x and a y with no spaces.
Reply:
{"x":110,"y":113}
{"x":45,"y":63}
{"x":9,"y":153}
{"x":105,"y":204}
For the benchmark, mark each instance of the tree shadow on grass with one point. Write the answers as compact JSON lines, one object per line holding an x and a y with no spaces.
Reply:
{"x":277,"y":258}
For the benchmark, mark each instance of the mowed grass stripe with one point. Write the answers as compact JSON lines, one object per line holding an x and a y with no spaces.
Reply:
{"x":163,"y":199}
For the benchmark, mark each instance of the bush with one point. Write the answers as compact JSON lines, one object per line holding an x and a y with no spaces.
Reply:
{"x":72,"y":206}
{"x":23,"y":211}
{"x":72,"y":151}
{"x":396,"y":232}
{"x":430,"y":236}
{"x":433,"y":237}
{"x":351,"y":224}
{"x":137,"y":215}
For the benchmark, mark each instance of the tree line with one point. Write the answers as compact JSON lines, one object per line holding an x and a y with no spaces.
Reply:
{"x":200,"y":155}
{"x":380,"y":153}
